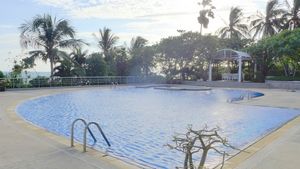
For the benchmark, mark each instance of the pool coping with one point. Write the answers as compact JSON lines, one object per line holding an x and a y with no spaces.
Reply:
{"x":250,"y":150}
{"x":237,"y":159}
{"x":11,"y":112}
{"x":232,"y":162}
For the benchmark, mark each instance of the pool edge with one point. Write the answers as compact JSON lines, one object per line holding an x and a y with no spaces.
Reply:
{"x":12,"y":114}
{"x":231,"y":163}
{"x":252,"y":149}
{"x":265,"y":101}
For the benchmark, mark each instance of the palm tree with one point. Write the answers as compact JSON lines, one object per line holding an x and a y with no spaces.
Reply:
{"x":293,"y":14}
{"x":78,"y":58}
{"x":49,"y":34}
{"x":205,"y":14}
{"x":236,"y":28}
{"x":267,"y":24}
{"x":106,"y":42}
{"x":64,"y":69}
{"x":137,"y":43}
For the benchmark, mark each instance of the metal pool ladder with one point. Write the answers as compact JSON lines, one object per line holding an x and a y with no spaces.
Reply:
{"x":87,"y":128}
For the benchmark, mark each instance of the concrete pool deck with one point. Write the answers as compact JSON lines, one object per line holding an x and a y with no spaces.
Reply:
{"x":279,"y":149}
{"x":25,"y":146}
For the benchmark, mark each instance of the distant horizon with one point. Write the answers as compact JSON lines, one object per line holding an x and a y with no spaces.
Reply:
{"x":31,"y":74}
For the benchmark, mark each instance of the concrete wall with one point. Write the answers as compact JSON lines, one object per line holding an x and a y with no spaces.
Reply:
{"x":227,"y":84}
{"x":291,"y":85}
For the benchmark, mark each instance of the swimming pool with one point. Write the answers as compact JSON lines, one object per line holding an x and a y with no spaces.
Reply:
{"x":140,"y":122}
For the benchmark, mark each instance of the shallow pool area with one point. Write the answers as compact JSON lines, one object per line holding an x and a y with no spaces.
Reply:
{"x":140,"y":122}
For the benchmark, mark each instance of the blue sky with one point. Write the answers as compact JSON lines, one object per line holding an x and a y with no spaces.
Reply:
{"x":152,"y":19}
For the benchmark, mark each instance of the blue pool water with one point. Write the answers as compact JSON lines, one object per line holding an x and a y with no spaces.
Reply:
{"x":140,"y":122}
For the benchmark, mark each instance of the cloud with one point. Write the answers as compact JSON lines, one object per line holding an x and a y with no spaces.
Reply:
{"x":155,"y":16}
{"x":111,"y":9}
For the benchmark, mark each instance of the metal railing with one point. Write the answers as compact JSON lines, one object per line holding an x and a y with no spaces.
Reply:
{"x":99,"y":128}
{"x":87,"y":129}
{"x":72,"y":131}
{"x":39,"y":82}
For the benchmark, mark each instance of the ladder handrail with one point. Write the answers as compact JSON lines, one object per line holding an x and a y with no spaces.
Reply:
{"x":72,"y":130}
{"x":99,"y":128}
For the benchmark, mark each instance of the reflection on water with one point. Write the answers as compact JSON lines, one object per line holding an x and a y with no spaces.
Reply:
{"x":139,"y":122}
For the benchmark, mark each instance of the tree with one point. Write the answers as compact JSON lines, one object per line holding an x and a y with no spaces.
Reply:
{"x":50,"y":34}
{"x":68,"y":64}
{"x":292,"y":16}
{"x":176,"y":53}
{"x":78,"y":57}
{"x":96,"y":65}
{"x":283,"y":47}
{"x":64,"y":69}
{"x":235,"y":28}
{"x":142,"y":57}
{"x":1,"y":75}
{"x":203,"y":141}
{"x":121,"y":59}
{"x":106,"y":42}
{"x":267,"y":24}
{"x":137,"y":43}
{"x":207,"y":47}
{"x":263,"y":56}
{"x":205,"y":13}
{"x":286,"y":50}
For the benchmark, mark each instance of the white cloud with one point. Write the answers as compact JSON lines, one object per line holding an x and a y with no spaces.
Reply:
{"x":155,"y":17}
{"x":152,"y":19}
{"x":121,"y":8}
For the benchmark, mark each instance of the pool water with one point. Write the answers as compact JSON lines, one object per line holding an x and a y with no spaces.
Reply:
{"x":140,"y":122}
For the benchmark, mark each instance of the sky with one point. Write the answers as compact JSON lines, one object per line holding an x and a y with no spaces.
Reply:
{"x":151,"y":19}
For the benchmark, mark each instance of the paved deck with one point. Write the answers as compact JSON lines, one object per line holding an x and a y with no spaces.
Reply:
{"x":24,"y":146}
{"x":281,"y":149}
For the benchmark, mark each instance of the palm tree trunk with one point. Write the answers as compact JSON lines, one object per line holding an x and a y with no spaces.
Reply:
{"x":51,"y":67}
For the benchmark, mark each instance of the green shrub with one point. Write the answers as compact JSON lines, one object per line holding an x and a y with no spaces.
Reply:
{"x":40,"y":81}
{"x":1,"y":75}
{"x":2,"y":85}
{"x":283,"y":78}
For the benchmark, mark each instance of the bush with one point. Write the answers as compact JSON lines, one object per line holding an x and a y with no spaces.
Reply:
{"x":40,"y":81}
{"x":1,"y":75}
{"x":2,"y":85}
{"x":259,"y":77}
{"x":283,"y":78}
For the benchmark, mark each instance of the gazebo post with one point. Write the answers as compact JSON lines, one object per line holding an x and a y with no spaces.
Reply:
{"x":210,"y":71}
{"x":240,"y":68}
{"x":255,"y":70}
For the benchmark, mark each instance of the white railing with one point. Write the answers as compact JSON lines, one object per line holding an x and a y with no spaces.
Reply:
{"x":73,"y":81}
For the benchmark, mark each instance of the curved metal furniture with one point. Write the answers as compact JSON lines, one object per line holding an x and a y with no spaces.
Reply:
{"x":87,"y":129}
{"x":85,"y":125}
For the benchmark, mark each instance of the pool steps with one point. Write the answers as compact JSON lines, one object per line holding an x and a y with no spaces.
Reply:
{"x":87,"y":128}
{"x":248,"y":96}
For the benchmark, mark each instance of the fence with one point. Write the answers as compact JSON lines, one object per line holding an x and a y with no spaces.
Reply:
{"x":74,"y":81}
